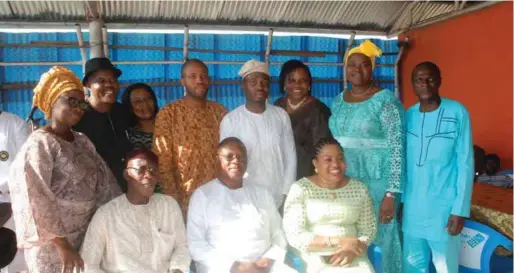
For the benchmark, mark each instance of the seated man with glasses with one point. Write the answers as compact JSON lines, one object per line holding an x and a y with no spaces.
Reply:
{"x":140,"y":231}
{"x":234,"y":226}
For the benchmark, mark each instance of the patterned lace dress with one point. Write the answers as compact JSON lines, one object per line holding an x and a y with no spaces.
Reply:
{"x":56,"y":187}
{"x":312,"y":211}
{"x":371,"y":134}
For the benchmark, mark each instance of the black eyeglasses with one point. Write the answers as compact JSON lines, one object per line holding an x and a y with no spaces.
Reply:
{"x":143,"y":169}
{"x":231,"y":157}
{"x":76,"y":103}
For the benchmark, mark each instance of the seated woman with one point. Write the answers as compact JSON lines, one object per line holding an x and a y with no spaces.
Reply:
{"x":328,"y":217}
{"x":141,"y":101}
{"x":140,"y":231}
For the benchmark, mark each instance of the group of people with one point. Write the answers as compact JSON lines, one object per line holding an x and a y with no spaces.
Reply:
{"x":127,"y":187}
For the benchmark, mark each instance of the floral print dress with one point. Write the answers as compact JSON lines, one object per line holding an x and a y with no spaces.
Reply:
{"x":56,"y":187}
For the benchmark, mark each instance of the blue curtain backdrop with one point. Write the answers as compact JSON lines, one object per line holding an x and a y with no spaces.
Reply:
{"x":18,"y":101}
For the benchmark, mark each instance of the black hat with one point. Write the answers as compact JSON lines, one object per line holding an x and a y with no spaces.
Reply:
{"x":96,"y":64}
{"x":8,"y":246}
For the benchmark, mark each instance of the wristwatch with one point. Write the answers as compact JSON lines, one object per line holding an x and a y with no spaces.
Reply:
{"x":390,"y":194}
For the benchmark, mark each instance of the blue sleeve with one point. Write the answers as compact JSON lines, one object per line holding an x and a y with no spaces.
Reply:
{"x":465,"y":165}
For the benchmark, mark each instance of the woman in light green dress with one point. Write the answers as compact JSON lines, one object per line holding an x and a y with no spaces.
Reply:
{"x":328,"y":217}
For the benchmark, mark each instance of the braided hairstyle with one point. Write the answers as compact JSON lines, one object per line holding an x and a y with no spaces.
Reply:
{"x":322,"y":143}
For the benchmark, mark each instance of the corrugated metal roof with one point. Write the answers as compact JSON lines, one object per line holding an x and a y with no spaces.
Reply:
{"x":372,"y":16}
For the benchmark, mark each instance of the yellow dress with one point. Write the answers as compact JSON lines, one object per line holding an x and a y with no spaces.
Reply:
{"x":312,"y":211}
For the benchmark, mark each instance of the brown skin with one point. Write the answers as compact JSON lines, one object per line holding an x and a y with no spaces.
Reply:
{"x":142,"y":175}
{"x":330,"y":174}
{"x":297,"y":86}
{"x":256,"y":87}
{"x":63,"y":117}
{"x":143,"y":107}
{"x":104,"y":88}
{"x":232,"y":159}
{"x":426,"y":85}
{"x":195,"y":79}
{"x":360,"y":70}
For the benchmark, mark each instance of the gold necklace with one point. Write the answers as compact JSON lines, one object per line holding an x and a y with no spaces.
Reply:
{"x":364,"y":94}
{"x":295,"y":106}
{"x":324,"y":184}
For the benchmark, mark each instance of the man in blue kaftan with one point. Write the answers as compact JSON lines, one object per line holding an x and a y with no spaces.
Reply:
{"x":440,"y":169}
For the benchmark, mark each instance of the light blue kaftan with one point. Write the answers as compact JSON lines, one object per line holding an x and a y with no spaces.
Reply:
{"x":372,"y":136}
{"x":440,"y":172}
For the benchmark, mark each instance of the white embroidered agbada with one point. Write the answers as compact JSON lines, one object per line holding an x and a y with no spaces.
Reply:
{"x":270,"y":145}
{"x":128,"y":238}
{"x":13,"y":133}
{"x":226,"y":225}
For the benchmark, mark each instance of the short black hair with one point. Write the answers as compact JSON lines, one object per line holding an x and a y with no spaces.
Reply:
{"x":230,"y":140}
{"x":141,"y":153}
{"x":322,"y":143}
{"x":289,"y":67}
{"x":492,"y":170}
{"x":430,"y":66}
{"x":190,"y":62}
{"x":125,"y":100}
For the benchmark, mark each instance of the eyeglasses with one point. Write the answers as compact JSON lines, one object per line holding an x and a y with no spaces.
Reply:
{"x":143,"y":169}
{"x":231,"y":157}
{"x":76,"y":103}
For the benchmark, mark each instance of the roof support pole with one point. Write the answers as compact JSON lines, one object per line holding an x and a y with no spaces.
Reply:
{"x":105,"y":40}
{"x":95,"y":30}
{"x":350,"y":43}
{"x":396,"y":70}
{"x":186,"y":43}
{"x":83,"y":53}
{"x":268,"y":47}
{"x":95,"y":38}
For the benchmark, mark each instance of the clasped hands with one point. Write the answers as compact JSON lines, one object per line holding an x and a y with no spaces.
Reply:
{"x":348,"y":250}
{"x":262,"y":265}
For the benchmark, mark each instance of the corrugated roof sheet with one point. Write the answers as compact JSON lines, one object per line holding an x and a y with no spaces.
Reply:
{"x":376,"y":16}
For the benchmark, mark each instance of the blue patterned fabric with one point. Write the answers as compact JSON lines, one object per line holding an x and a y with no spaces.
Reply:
{"x":371,"y":134}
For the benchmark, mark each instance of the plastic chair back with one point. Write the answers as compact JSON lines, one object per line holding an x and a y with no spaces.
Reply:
{"x":478,"y":244}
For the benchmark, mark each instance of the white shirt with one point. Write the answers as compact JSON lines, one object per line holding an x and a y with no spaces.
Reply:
{"x":226,"y":225}
{"x":269,"y":141}
{"x":13,"y":133}
{"x":128,"y":238}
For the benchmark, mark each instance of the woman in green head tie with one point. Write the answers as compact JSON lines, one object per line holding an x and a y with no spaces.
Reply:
{"x":368,"y":123}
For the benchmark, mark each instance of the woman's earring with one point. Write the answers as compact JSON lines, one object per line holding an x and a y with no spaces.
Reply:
{"x":315,"y":170}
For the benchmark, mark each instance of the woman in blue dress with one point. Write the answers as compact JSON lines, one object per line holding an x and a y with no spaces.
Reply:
{"x":368,"y":123}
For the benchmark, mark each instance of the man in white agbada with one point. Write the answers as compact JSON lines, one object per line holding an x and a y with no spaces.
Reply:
{"x":266,"y":131}
{"x":137,"y":232}
{"x":13,"y":133}
{"x":235,"y":228}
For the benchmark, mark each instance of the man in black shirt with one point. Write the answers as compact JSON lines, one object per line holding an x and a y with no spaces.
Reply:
{"x":106,"y":122}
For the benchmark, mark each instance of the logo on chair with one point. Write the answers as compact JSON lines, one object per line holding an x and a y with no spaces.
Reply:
{"x":476,"y":240}
{"x":4,"y":155}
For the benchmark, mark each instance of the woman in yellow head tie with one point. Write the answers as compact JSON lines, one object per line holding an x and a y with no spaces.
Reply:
{"x":368,"y":123}
{"x":57,"y":179}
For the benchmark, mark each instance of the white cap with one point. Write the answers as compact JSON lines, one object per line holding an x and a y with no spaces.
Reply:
{"x":253,"y":66}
